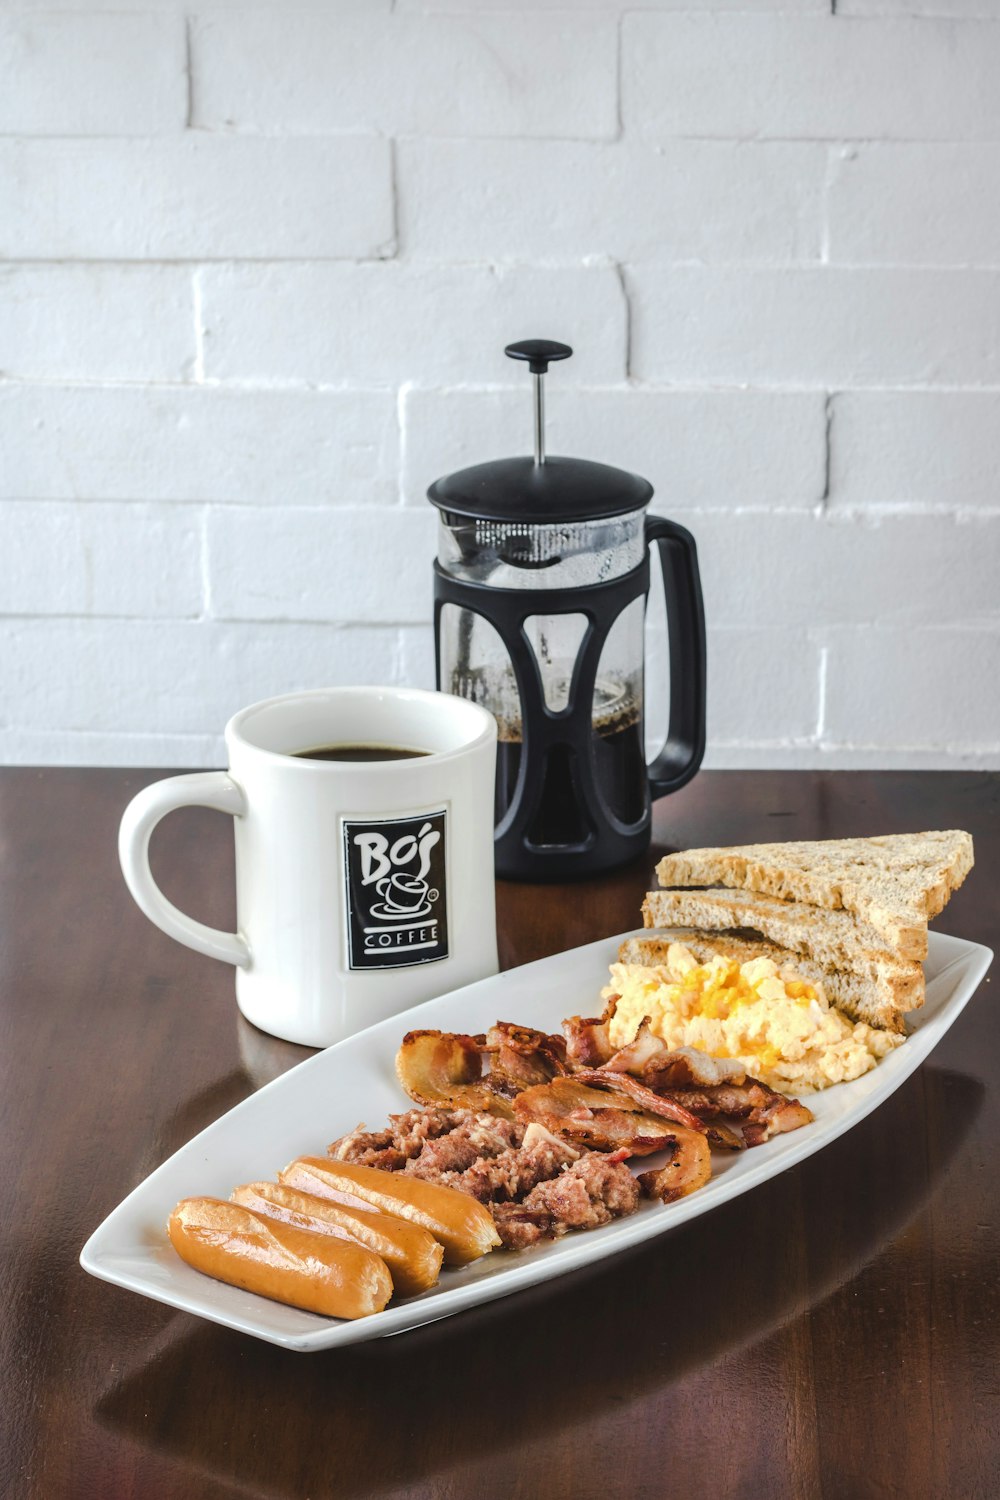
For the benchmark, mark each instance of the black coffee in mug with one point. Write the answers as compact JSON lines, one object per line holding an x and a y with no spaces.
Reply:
{"x":359,"y":752}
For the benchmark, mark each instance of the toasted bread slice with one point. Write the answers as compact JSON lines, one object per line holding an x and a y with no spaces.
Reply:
{"x":878,"y":998}
{"x":835,"y":938}
{"x":895,"y":882}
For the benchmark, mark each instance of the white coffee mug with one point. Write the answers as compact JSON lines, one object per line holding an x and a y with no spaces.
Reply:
{"x":362,"y":887}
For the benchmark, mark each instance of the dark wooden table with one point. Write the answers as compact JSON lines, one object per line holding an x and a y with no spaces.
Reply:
{"x":834,"y":1333}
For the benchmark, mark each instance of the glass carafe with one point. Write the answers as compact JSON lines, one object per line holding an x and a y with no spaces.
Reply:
{"x":475,"y":662}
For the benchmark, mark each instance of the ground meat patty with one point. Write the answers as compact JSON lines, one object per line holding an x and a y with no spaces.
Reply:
{"x":515,"y":1173}
{"x":592,"y":1191}
{"x":476,"y":1139}
{"x":404,"y":1139}
{"x":518,"y":1227}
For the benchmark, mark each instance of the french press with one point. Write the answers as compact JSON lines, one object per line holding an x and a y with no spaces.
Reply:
{"x":540,"y":591}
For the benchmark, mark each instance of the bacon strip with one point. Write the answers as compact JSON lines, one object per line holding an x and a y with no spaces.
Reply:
{"x":683,"y":1067}
{"x":442,"y":1067}
{"x":520,"y":1057}
{"x":597,"y":1118}
{"x":721,"y":1087}
{"x":587,"y":1042}
{"x":642,"y":1052}
{"x":657,"y":1104}
{"x":689,"y":1168}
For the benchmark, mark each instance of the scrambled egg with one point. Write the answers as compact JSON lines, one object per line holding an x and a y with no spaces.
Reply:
{"x":782,"y":1029}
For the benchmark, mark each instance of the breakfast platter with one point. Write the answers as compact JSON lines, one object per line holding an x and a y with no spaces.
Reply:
{"x":355,"y":1080}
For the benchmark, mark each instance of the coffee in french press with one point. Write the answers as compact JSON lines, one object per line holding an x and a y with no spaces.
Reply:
{"x":540,"y":598}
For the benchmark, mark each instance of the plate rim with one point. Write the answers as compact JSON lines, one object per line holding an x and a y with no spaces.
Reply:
{"x":574,"y":1251}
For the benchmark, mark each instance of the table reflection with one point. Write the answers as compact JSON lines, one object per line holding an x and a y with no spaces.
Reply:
{"x":601,"y":1346}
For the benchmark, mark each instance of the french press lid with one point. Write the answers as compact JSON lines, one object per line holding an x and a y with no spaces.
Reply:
{"x":540,"y":490}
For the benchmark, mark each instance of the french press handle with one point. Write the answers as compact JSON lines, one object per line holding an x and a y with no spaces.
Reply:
{"x":684,"y":746}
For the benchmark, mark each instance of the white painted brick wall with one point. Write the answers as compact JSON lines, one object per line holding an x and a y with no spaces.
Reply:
{"x":92,"y":74}
{"x":937,"y":449}
{"x":214,"y":444}
{"x":808,"y":573}
{"x":878,"y":687}
{"x":107,"y":322}
{"x":819,"y":326}
{"x":794,"y":77}
{"x":554,"y":200}
{"x":923,"y":203}
{"x":336,"y":323}
{"x":293,"y":564}
{"x":64,"y":559}
{"x":197,"y":198}
{"x":167,"y":677}
{"x":944,"y":9}
{"x":426,"y":7}
{"x":260,"y":262}
{"x":466,"y":74}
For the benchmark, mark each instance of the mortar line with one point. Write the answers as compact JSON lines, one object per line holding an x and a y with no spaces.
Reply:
{"x":824,"y":499}
{"x":198,"y":363}
{"x":188,"y":74}
{"x":824,"y":225}
{"x":619,"y":65}
{"x":401,"y":444}
{"x":394,"y":199}
{"x":824,"y":657}
{"x":206,"y":575}
{"x":623,"y":283}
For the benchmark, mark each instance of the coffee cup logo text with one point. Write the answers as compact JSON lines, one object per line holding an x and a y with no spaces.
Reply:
{"x":395,"y":875}
{"x":377,"y":859}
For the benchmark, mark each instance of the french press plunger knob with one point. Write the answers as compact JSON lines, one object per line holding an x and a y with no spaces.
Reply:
{"x":539,"y":353}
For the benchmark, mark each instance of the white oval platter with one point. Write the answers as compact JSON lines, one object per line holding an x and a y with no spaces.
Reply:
{"x":327,"y":1095}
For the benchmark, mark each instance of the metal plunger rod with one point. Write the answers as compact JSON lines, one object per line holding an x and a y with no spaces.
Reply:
{"x":538,"y":385}
{"x":538,"y":353}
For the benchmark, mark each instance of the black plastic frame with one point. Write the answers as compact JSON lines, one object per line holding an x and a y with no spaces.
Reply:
{"x":610,"y":842}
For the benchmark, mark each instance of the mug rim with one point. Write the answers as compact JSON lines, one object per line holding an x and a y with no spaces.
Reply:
{"x":235,"y":730}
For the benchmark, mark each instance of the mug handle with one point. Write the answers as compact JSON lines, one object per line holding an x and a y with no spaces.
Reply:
{"x":215,"y":789}
{"x":684,"y":746}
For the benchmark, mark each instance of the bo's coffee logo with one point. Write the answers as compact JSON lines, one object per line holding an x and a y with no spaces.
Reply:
{"x":397,"y":911}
